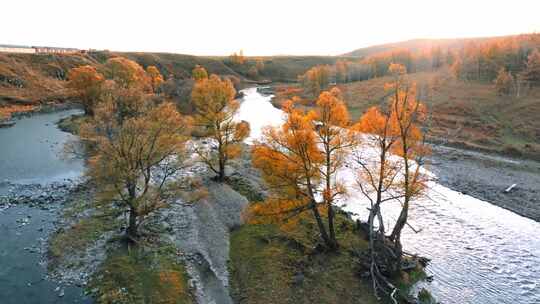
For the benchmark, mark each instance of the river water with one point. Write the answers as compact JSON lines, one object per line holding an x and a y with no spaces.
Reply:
{"x":480,"y":253}
{"x":31,"y":152}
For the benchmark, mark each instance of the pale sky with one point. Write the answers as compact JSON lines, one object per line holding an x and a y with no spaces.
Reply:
{"x":272,"y":27}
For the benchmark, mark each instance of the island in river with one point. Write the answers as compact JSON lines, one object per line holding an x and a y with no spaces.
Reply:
{"x":471,"y":229}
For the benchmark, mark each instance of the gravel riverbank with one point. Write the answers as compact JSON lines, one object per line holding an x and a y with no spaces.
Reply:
{"x":486,"y":177}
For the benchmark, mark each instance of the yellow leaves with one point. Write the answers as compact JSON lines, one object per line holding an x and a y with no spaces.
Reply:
{"x":156,"y":79}
{"x":126,"y":151}
{"x":242,"y":131}
{"x":212,"y":97}
{"x":128,"y":74}
{"x":238,"y":58}
{"x":87,"y":82}
{"x":215,"y":110}
{"x":199,"y":73}
{"x":284,"y":213}
{"x":84,"y":76}
{"x":331,"y":109}
{"x":397,"y":69}
{"x":316,"y":79}
{"x":373,"y":122}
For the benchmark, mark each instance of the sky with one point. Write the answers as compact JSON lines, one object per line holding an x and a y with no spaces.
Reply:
{"x":273,"y":27}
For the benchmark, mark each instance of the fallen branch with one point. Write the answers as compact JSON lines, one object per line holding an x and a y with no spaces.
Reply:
{"x":510,"y":188}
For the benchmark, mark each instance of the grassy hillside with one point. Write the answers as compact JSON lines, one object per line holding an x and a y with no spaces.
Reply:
{"x":284,"y":68}
{"x":413,"y":45}
{"x":468,"y":114}
{"x":31,"y":79}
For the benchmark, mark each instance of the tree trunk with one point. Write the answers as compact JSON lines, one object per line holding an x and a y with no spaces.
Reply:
{"x":396,"y":234}
{"x":331,"y":228}
{"x":132,"y":220}
{"x":132,"y":226}
{"x":221,"y":175}
{"x":320,"y":224}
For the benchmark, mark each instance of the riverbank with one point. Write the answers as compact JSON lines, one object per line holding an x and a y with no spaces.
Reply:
{"x":487,"y":176}
{"x":9,"y":115}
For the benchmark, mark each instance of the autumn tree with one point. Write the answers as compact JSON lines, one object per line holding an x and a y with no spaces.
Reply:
{"x":156,"y":79}
{"x":238,"y":58}
{"x":128,"y":85}
{"x":376,"y":179}
{"x":136,"y":144}
{"x":127,"y":73}
{"x":342,"y":71}
{"x":253,"y":72}
{"x":215,"y":108}
{"x":333,"y":138}
{"x":393,"y":172}
{"x":408,"y":117}
{"x":135,"y":157}
{"x":316,"y":79}
{"x":300,"y":160}
{"x":199,"y":73}
{"x":532,"y":71}
{"x":259,"y":65}
{"x":376,"y":174}
{"x":87,"y":83}
{"x":291,"y":163}
{"x":504,"y":82}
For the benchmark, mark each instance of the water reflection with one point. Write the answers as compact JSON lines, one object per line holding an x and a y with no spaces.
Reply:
{"x":480,"y":253}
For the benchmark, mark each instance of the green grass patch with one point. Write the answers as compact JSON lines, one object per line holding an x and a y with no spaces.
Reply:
{"x":71,"y":124}
{"x":268,"y":265}
{"x":87,"y":228}
{"x":145,"y":275}
{"x":81,"y":235}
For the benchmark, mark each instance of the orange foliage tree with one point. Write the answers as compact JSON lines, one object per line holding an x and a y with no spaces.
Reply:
{"x":377,"y":173}
{"x":532,"y":71}
{"x":199,"y":73}
{"x":299,"y":160}
{"x":87,"y":82}
{"x":504,"y":82}
{"x":156,"y":79}
{"x":136,"y":145}
{"x":128,"y":74}
{"x":394,"y":172}
{"x":215,"y":108}
{"x":133,"y":157}
{"x":316,"y":79}
{"x":333,"y":138}
{"x":408,"y":117}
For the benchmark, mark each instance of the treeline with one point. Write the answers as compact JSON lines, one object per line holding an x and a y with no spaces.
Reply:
{"x":472,"y":61}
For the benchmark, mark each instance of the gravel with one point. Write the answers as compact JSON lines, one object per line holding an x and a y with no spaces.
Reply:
{"x":486,"y":177}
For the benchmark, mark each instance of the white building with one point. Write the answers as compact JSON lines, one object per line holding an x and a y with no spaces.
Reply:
{"x":6,"y":48}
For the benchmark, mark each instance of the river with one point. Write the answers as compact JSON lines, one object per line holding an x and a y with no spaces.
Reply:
{"x":31,"y":159}
{"x":480,"y":253}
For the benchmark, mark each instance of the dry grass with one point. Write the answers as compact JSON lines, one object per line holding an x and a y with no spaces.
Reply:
{"x":7,"y":111}
{"x":467,"y":114}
